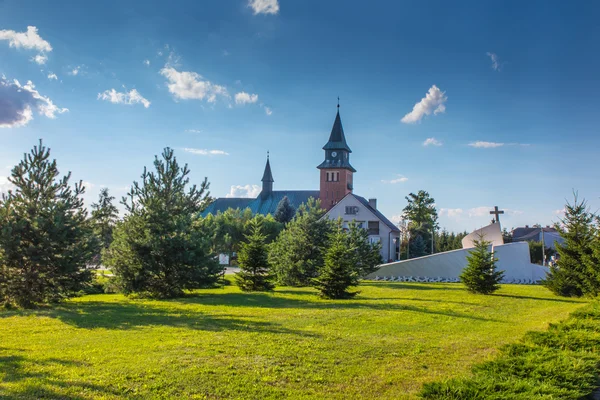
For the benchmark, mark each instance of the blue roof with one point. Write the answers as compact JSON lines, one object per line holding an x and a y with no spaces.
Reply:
{"x":261,"y":205}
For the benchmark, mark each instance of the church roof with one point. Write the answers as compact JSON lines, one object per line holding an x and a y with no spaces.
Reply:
{"x":337,"y":139}
{"x":261,"y":205}
{"x":267,"y":176}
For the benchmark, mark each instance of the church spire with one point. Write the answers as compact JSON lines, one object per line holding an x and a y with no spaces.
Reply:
{"x":337,"y":139}
{"x":267,"y":180}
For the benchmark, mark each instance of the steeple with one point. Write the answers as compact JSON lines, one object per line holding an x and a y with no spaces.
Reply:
{"x":267,"y":180}
{"x":335,"y":171}
{"x":337,"y":151}
{"x":337,"y":139}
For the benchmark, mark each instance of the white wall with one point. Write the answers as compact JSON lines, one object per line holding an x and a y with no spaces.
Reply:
{"x":513,"y":258}
{"x":386,"y":236}
{"x":490,"y":233}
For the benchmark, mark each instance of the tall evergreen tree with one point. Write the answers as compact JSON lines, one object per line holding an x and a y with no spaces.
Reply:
{"x":569,"y":276}
{"x":423,"y":218}
{"x":417,"y":247}
{"x":104,"y":219}
{"x":285,"y":211}
{"x":366,"y":256}
{"x":592,"y":261}
{"x":480,"y":274}
{"x":253,"y":260}
{"x":297,"y":254}
{"x":45,"y":238}
{"x":157,"y":251}
{"x":338,"y":273}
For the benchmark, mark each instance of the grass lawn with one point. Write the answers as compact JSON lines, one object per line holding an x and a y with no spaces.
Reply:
{"x":221,"y":343}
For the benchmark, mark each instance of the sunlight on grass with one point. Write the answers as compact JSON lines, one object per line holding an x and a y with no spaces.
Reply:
{"x":221,"y":343}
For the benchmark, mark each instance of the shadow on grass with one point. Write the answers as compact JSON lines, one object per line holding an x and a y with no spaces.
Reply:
{"x":23,"y":378}
{"x":559,"y":300}
{"x":133,"y":315}
{"x":271,"y":300}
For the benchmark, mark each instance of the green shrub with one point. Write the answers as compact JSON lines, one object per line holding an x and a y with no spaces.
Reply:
{"x":561,"y":363}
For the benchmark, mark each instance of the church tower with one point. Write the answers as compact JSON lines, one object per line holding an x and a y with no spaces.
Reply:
{"x":267,"y":180}
{"x":336,"y":171}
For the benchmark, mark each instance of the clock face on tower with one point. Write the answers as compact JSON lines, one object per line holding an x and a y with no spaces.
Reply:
{"x":334,"y":154}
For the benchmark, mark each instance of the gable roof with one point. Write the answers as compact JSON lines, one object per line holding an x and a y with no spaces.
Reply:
{"x":374,"y":211}
{"x":378,"y":213}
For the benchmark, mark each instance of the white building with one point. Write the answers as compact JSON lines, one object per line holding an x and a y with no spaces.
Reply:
{"x":366,"y":215}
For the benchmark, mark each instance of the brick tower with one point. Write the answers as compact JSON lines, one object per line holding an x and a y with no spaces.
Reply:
{"x":336,"y":171}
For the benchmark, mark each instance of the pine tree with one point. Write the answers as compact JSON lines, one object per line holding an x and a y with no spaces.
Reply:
{"x":104,"y":218}
{"x":480,"y":274}
{"x":570,"y":277}
{"x":285,"y":211}
{"x":366,"y":256}
{"x":45,"y":238}
{"x":157,"y":251}
{"x":592,"y":261}
{"x":253,"y":260}
{"x":297,"y":254}
{"x":338,"y":274}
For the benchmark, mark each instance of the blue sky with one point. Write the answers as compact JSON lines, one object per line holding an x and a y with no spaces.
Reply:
{"x":505,"y":91}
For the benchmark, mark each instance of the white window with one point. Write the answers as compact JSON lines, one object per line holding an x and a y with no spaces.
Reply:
{"x":351,"y":210}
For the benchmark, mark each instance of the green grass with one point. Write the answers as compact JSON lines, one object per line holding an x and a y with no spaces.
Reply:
{"x":221,"y":343}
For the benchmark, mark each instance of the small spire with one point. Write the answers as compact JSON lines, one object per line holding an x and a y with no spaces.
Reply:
{"x":338,"y":106}
{"x":267,"y":154}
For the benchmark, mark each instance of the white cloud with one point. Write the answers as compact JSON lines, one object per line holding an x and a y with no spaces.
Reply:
{"x":399,"y":179}
{"x":247,"y":191}
{"x":5,"y":185}
{"x":264,"y":6}
{"x":131,"y":97}
{"x":475,"y":212}
{"x":268,"y":110}
{"x":19,"y":101}
{"x":40,"y":59}
{"x":190,"y":85}
{"x":432,"y":142}
{"x":75,"y":71}
{"x":193,"y":131}
{"x":28,"y":40}
{"x":205,"y":152}
{"x":245,"y":98}
{"x":485,"y":145}
{"x":226,"y":53}
{"x":433,"y":102}
{"x":559,"y":212}
{"x":146,"y":62}
{"x":87,"y":185}
{"x":451,"y":212}
{"x":52,"y":76}
{"x":496,"y":66}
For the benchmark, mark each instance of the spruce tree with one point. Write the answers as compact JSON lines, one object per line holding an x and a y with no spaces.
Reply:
{"x":366,"y":256}
{"x":253,"y":261}
{"x":338,"y":273}
{"x":297,"y":254}
{"x":417,"y":246}
{"x":46,"y":240}
{"x":285,"y":211}
{"x":104,"y":218}
{"x":157,"y":251}
{"x":570,"y":276}
{"x":480,"y":274}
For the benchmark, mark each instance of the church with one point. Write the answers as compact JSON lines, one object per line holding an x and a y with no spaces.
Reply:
{"x":336,"y":192}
